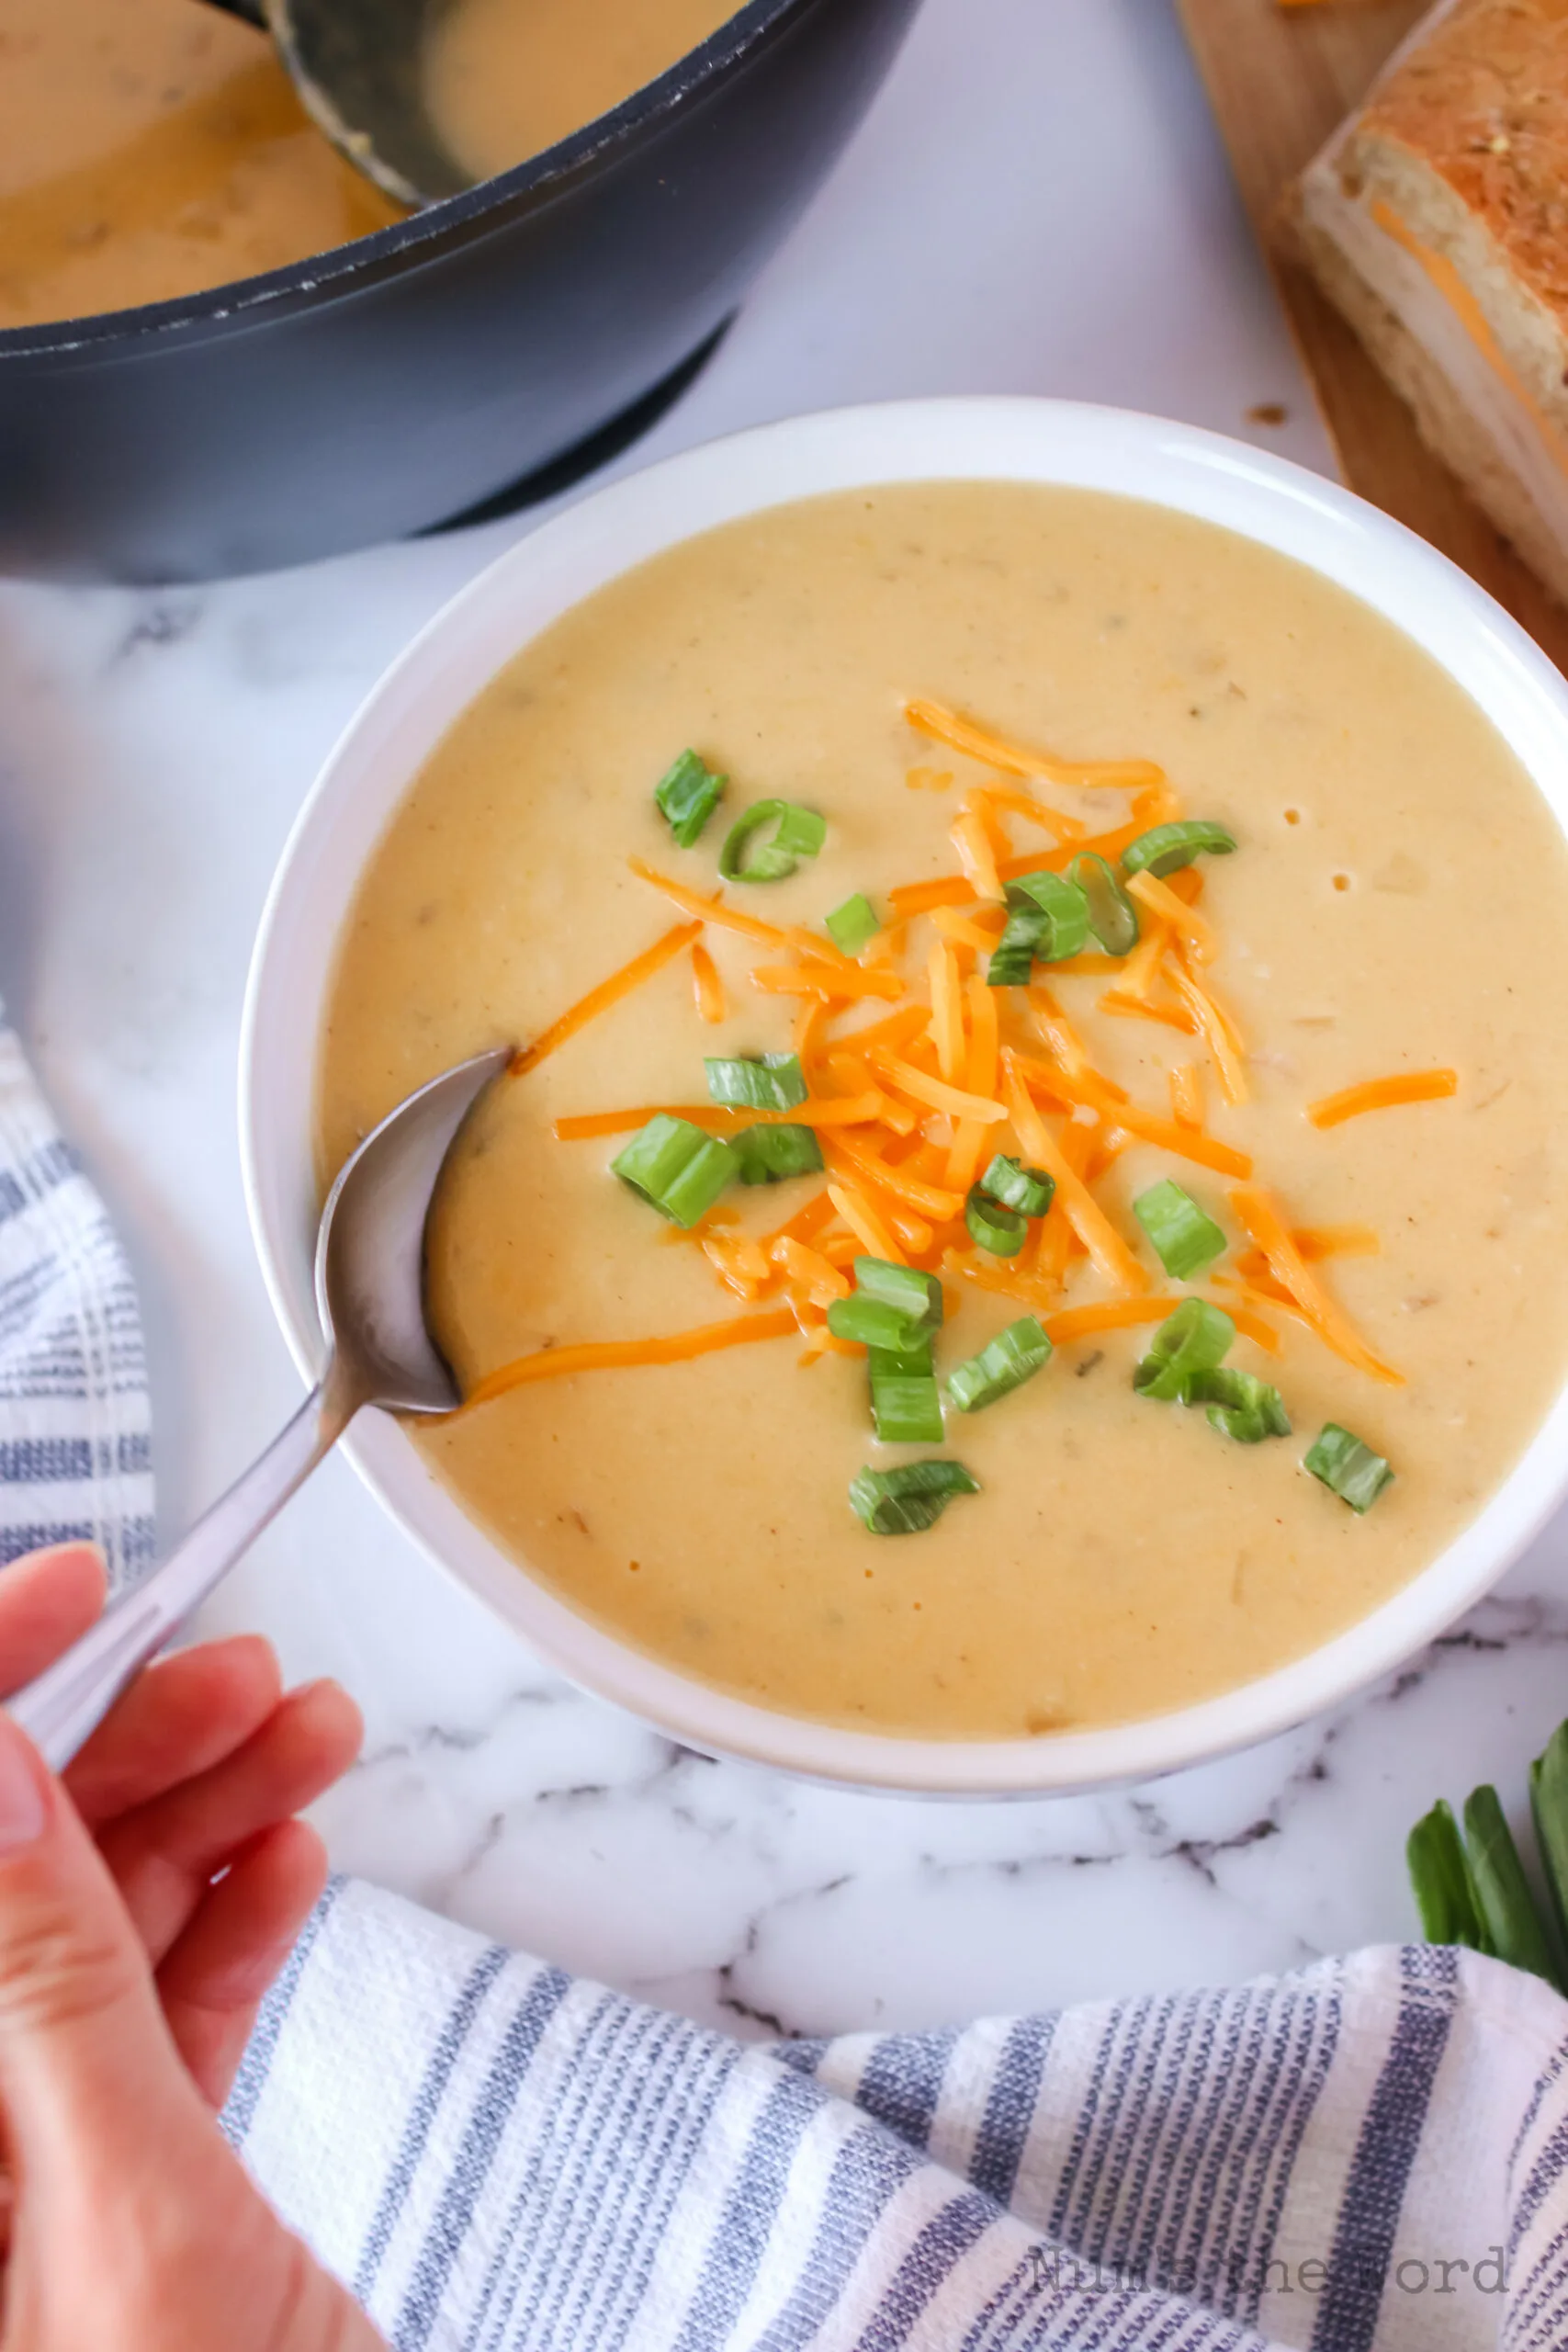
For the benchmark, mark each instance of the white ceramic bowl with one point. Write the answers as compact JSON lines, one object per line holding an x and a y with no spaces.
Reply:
{"x":1034,"y":441}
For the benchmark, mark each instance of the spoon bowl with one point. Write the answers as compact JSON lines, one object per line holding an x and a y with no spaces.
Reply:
{"x":370,"y":1248}
{"x":370,"y":1294}
{"x":356,"y":64}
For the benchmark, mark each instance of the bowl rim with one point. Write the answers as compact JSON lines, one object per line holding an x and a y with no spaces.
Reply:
{"x":1194,"y":472}
{"x":449,"y":222}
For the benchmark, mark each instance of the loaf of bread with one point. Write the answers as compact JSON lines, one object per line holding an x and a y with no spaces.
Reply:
{"x":1437,"y":219}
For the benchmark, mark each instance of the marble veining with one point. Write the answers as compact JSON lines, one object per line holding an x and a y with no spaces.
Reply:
{"x":153,"y":749}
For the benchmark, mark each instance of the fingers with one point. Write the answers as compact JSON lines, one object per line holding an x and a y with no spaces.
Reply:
{"x":178,"y":1719}
{"x":47,"y":1600}
{"x":163,"y":1854}
{"x":218,"y":1968}
{"x":85,"y":2062}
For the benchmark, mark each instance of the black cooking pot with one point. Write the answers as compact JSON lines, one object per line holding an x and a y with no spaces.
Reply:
{"x":407,"y":379}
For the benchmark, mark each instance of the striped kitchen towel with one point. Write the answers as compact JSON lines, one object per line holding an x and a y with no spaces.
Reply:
{"x":74,"y":1413}
{"x":1371,"y":2155}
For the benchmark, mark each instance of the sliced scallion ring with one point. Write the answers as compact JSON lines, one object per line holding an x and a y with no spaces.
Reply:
{"x":769,"y":1155}
{"x":1164,"y":848}
{"x":1002,"y":1231}
{"x":1240,"y":1405}
{"x":1012,"y":957}
{"x":906,"y":1403}
{"x":1064,"y":905}
{"x":756,"y":1082}
{"x":687,"y":795}
{"x":800,"y":833}
{"x":1348,"y":1466}
{"x":1185,"y":1237}
{"x":1014,"y":1356}
{"x":871,"y":1323}
{"x":1112,"y":917}
{"x":850,"y":925}
{"x":915,"y":1296}
{"x":1194,"y":1338}
{"x":676,"y":1167}
{"x":908,"y":1500}
{"x":1030,"y":1190}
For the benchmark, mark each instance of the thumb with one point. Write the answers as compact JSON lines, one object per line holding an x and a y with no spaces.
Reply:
{"x":86,"y":2066}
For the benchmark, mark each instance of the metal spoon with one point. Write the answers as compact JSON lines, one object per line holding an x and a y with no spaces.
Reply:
{"x":370,"y":1295}
{"x":356,"y":64}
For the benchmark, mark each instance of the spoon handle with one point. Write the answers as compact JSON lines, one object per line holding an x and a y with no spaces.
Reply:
{"x":62,"y":1705}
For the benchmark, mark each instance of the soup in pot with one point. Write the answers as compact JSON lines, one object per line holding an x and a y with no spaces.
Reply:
{"x":150,"y":149}
{"x":504,"y":78}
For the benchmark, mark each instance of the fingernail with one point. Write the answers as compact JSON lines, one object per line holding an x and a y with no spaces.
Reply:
{"x":22,"y":1806}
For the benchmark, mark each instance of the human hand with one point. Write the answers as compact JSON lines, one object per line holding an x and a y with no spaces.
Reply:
{"x":129,"y":1975}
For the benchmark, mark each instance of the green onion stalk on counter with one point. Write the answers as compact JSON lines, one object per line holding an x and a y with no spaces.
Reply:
{"x":1471,"y":1884}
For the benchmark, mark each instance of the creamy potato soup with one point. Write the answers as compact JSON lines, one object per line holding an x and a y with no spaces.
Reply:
{"x":1311,"y":1109}
{"x":150,"y":149}
{"x":504,"y":78}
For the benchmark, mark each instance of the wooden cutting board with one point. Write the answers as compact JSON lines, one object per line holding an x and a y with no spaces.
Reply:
{"x":1279,"y":78}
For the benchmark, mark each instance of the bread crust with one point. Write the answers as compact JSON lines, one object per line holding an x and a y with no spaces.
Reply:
{"x":1443,"y":421}
{"x":1481,"y":96}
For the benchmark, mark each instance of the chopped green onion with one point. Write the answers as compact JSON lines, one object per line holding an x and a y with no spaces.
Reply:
{"x":1028,"y":1190}
{"x":1194,"y":1338}
{"x":1185,"y":1239}
{"x":915,"y":1296}
{"x":905,"y":1404}
{"x":906,"y":1500}
{"x":1513,"y":1925}
{"x":687,"y":796}
{"x":1240,"y":1405}
{"x":1439,"y":1874}
{"x":801,"y":833}
{"x":1012,"y":957}
{"x":1163,"y":849}
{"x":893,"y":1307}
{"x":1014,"y":1356}
{"x":871,"y":1323}
{"x":1112,"y":917}
{"x":853,"y":923}
{"x":1346,"y":1467}
{"x":1064,"y":905}
{"x":676,"y":1167}
{"x":992,"y":1227}
{"x":1549,"y":1804}
{"x":768,"y":1155}
{"x":757,"y":1082}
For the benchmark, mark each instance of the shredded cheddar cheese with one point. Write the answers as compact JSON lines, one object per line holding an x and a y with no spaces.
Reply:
{"x":830,"y":984}
{"x":1260,"y":1217}
{"x":712,"y":1003}
{"x":610,"y":1355}
{"x":1176,"y":915}
{"x":865,"y":1223}
{"x":608,"y":992}
{"x":1382,"y":1094}
{"x":909,"y":1105}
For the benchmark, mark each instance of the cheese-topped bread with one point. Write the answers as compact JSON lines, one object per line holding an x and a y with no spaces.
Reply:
{"x":1437,"y":219}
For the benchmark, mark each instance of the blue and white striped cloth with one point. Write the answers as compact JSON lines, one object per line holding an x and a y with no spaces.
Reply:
{"x":1369,"y":2157}
{"x":75,"y":1458}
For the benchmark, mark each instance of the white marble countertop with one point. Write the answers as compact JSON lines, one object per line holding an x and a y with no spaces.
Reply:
{"x":1037,"y":203}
